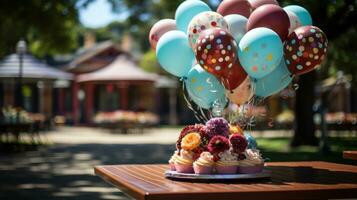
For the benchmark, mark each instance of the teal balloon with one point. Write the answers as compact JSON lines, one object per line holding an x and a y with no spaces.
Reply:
{"x":273,"y":83}
{"x":303,"y":15}
{"x":204,"y":88}
{"x":260,"y":51}
{"x":186,"y":11}
{"x":174,"y":53}
{"x":237,"y":25}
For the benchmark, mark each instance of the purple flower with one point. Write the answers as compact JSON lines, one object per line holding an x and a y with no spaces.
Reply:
{"x":238,"y":142}
{"x":218,"y":144}
{"x":217,"y":126}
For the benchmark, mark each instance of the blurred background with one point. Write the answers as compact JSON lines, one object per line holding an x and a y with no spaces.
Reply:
{"x":80,"y":86}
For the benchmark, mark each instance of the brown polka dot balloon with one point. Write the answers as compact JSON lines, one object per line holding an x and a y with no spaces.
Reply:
{"x":216,"y":51}
{"x":305,"y":49}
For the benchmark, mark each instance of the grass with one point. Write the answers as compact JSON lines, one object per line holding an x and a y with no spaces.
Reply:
{"x":277,"y":149}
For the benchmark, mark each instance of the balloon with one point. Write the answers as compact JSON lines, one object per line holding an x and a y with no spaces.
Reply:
{"x":270,"y":16}
{"x":216,"y":51}
{"x":260,"y":51}
{"x":234,"y":77}
{"x":203,"y":21}
{"x":160,"y":28}
{"x":256,"y":3}
{"x":174,"y":53}
{"x":294,"y":21}
{"x":303,"y":15}
{"x":305,"y":49}
{"x":252,"y":143}
{"x":241,"y":7}
{"x":273,"y":82}
{"x":203,"y":88}
{"x":237,"y":25}
{"x":242,"y":93}
{"x":186,"y":11}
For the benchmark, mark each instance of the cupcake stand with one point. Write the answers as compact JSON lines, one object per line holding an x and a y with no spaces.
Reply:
{"x":219,"y":177}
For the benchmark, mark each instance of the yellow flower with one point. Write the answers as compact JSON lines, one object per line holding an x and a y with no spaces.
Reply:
{"x":191,"y":141}
{"x":235,"y":129}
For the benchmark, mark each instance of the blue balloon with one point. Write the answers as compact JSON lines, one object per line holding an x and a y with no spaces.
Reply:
{"x":273,"y":83}
{"x":303,"y":15}
{"x":186,"y":11}
{"x":204,"y":88}
{"x":252,"y":143}
{"x":174,"y":53}
{"x":237,"y":26}
{"x":260,"y":51}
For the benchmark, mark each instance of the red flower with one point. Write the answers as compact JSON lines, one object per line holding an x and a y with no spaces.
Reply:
{"x":218,"y":144}
{"x":238,"y":142}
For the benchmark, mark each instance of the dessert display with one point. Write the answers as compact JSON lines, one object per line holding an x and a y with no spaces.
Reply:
{"x":216,"y":148}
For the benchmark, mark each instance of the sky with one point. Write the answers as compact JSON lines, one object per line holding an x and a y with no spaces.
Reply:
{"x":98,"y":14}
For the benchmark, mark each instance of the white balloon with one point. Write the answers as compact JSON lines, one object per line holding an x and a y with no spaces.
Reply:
{"x":242,"y":94}
{"x":294,"y":21}
{"x":203,"y":21}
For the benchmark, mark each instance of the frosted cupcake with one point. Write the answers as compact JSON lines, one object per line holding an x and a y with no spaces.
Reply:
{"x":204,"y":164}
{"x":253,"y":162}
{"x":227,"y":163}
{"x":172,"y":160}
{"x":183,"y":162}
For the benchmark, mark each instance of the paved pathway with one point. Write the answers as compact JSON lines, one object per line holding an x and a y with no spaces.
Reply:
{"x":65,"y":169}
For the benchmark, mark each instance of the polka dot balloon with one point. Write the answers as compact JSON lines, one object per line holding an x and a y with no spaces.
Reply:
{"x":203,"y":21}
{"x":216,"y":51}
{"x":305,"y":49}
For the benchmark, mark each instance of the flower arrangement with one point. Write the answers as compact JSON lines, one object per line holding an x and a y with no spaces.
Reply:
{"x":216,"y":146}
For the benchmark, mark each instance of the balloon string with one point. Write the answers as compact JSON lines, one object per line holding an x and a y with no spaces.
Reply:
{"x":203,"y":115}
{"x":189,"y":105}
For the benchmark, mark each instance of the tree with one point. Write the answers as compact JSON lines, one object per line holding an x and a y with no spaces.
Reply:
{"x":49,"y":27}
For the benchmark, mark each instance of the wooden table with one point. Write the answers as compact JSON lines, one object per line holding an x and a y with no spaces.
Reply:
{"x":350,"y":155}
{"x":290,"y":180}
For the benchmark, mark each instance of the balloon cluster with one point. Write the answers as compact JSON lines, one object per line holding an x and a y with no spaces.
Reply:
{"x":245,"y":48}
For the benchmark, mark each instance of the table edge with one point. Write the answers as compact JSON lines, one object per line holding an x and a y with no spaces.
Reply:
{"x":127,"y":189}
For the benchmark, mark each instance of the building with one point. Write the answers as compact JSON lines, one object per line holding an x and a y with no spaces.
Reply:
{"x":39,"y":81}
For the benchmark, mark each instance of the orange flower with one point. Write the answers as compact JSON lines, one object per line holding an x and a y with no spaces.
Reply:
{"x":233,"y":129}
{"x":191,"y":141}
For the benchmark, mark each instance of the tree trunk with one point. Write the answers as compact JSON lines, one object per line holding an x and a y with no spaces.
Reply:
{"x":304,"y":123}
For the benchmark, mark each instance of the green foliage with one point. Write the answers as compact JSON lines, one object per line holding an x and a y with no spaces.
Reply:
{"x":149,"y":62}
{"x":48,"y":26}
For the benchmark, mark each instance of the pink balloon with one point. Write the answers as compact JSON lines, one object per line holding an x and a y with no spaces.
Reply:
{"x":294,"y":21}
{"x":241,"y":7}
{"x":256,"y":3}
{"x":242,"y":94}
{"x":159,"y":29}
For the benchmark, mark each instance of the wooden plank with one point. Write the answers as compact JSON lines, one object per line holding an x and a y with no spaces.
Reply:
{"x":290,"y":180}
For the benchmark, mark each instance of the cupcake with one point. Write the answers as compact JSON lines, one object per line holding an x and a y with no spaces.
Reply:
{"x":172,"y":160}
{"x":252,"y":163}
{"x":227,"y":163}
{"x":183,"y":162}
{"x":204,"y":164}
